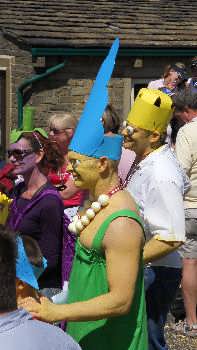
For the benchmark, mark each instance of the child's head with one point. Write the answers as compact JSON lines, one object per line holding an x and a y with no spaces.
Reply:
{"x":30,"y":265}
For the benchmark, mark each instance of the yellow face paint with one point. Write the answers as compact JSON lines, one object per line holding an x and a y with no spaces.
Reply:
{"x":83,"y":170}
{"x":138,"y":140}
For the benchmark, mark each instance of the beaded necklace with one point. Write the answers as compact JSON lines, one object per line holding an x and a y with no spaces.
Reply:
{"x":134,"y":167}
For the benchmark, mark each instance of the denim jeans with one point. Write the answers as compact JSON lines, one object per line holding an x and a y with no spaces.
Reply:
{"x":160,"y":293}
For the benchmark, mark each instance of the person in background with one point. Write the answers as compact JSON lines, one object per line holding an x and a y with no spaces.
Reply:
{"x":30,"y":266}
{"x":192,"y":82}
{"x":173,"y":79}
{"x":6,"y":179}
{"x":18,"y":330}
{"x":61,"y":129}
{"x":186,"y":151}
{"x":112,"y":123}
{"x":37,"y":209}
{"x":176,"y":122}
{"x":157,"y":183}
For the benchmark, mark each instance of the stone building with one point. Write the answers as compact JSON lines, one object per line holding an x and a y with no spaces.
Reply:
{"x":50,"y":51}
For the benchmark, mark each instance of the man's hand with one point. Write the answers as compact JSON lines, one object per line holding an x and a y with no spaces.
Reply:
{"x":44,"y":311}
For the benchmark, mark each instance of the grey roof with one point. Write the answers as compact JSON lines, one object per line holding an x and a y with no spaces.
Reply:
{"x":80,"y":23}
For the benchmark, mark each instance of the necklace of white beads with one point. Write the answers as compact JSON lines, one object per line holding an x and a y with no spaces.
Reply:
{"x":80,"y":222}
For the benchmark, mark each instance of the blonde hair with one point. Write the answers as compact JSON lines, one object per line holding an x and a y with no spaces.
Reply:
{"x":62,"y":120}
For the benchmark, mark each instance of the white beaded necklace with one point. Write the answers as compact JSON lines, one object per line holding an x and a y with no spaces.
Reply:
{"x":79,"y":223}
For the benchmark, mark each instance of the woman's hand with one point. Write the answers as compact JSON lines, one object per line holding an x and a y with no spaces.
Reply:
{"x":45,"y":310}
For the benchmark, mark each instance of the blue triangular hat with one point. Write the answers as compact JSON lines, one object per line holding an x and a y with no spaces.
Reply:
{"x":24,"y":269}
{"x":89,"y":138}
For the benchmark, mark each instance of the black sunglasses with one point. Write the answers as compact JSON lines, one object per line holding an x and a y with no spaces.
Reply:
{"x":19,"y":154}
{"x":57,"y":131}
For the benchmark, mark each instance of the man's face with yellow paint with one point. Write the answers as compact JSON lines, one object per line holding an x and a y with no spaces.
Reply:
{"x":83,"y":169}
{"x":136,"y":139}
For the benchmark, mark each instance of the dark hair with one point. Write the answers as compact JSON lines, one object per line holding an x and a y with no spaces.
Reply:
{"x":53,"y":157}
{"x":7,"y":270}
{"x":185,"y":99}
{"x":176,"y":124}
{"x":32,"y":250}
{"x":111,"y":120}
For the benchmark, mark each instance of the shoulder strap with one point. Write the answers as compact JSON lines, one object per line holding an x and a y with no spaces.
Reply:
{"x":103,"y":228}
{"x":39,"y":197}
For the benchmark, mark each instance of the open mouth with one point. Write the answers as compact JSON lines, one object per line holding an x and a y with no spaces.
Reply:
{"x":128,"y":143}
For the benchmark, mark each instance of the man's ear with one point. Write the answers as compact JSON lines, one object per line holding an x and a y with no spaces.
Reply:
{"x":155,"y":137}
{"x":102,"y":164}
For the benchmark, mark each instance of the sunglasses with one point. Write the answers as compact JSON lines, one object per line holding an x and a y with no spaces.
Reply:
{"x":19,"y":154}
{"x":58,"y":131}
{"x":130,"y":129}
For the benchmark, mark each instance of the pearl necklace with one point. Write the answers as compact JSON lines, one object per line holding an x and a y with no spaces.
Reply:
{"x":80,"y":222}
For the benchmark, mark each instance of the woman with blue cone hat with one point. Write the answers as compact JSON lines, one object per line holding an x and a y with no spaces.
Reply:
{"x":106,"y":306}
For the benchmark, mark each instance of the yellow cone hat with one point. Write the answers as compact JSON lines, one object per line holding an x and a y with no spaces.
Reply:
{"x":152,"y":110}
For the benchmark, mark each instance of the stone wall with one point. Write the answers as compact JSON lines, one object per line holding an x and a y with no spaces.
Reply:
{"x":68,"y":89}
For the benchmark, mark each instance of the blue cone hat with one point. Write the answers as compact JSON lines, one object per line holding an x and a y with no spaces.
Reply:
{"x":24,"y":269}
{"x":89,"y":138}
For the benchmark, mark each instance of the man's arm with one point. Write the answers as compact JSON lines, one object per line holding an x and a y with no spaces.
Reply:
{"x":164,"y":215}
{"x":155,"y":249}
{"x":122,"y":245}
{"x":183,"y":150}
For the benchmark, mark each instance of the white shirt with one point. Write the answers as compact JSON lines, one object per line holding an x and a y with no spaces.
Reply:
{"x":186,"y":151}
{"x":158,"y":185}
{"x":156,"y":84}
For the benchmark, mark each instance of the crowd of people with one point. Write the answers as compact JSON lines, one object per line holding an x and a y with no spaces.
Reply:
{"x":99,"y":221}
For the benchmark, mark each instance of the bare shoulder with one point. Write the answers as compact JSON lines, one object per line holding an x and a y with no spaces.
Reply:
{"x":123,"y":200}
{"x":124,"y":229}
{"x":124,"y":232}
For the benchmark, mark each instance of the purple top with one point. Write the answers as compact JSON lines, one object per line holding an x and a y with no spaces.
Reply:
{"x":43,"y":222}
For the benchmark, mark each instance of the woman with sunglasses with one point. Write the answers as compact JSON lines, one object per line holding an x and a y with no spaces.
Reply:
{"x":37,"y":209}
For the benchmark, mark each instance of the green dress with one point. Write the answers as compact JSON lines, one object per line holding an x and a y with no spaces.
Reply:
{"x":88,"y":280}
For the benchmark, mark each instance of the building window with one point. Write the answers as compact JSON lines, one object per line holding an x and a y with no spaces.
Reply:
{"x":136,"y":85}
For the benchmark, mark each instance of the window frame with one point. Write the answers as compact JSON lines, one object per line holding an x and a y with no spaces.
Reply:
{"x":6,"y":66}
